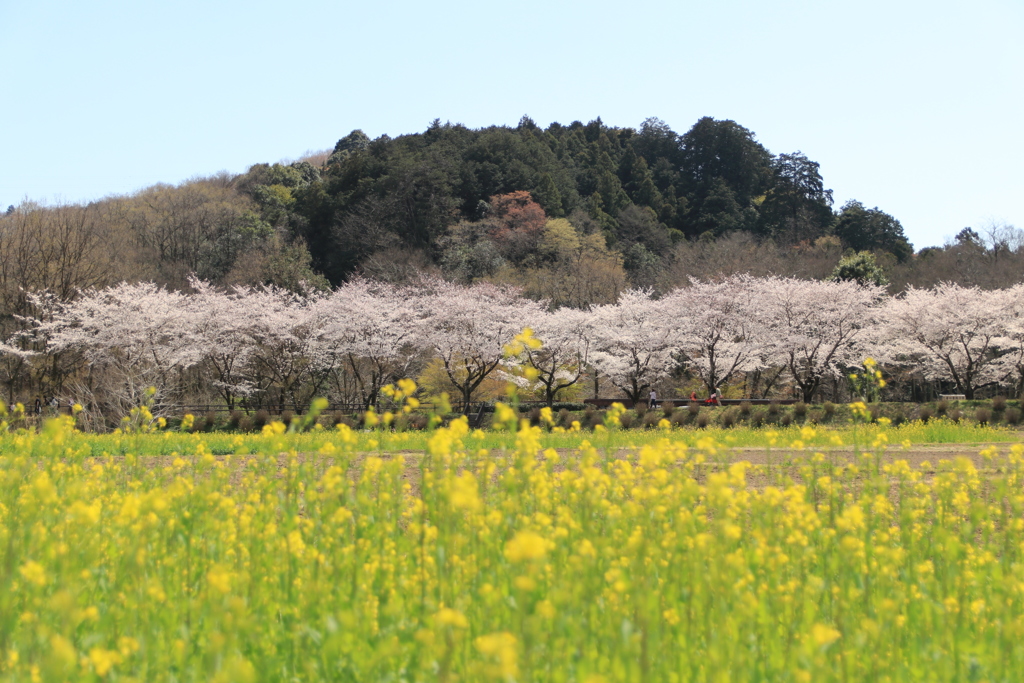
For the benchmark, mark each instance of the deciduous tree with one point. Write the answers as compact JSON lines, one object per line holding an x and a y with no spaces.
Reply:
{"x":717,"y":327}
{"x":631,"y":342}
{"x":950,"y":333}
{"x":468,"y":327}
{"x":814,"y":328}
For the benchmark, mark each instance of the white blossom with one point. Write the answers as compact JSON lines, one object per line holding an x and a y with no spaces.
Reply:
{"x":949,"y":332}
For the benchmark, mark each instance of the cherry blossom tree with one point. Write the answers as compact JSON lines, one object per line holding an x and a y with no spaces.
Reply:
{"x":220,"y":328}
{"x":631,"y":341}
{"x":372,"y":328}
{"x":950,"y":333}
{"x":718,"y":327}
{"x":814,"y":328}
{"x":132,"y":336}
{"x":1012,"y":360}
{"x":468,"y":327}
{"x":562,"y":359}
{"x":287,"y":363}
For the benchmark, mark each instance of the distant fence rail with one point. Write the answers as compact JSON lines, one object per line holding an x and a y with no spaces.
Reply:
{"x":683,"y":402}
{"x":476,"y":409}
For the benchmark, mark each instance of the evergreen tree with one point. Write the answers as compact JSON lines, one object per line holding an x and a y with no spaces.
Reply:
{"x":548,"y":196}
{"x":724,"y":150}
{"x":866,"y":229}
{"x":797,"y":207}
{"x":718,"y":212}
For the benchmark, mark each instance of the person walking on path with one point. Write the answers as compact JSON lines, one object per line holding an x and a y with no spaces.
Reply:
{"x":653,"y":401}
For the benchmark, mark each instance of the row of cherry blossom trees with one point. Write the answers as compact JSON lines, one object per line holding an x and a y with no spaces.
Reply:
{"x":811,"y":330}
{"x":255,"y":347}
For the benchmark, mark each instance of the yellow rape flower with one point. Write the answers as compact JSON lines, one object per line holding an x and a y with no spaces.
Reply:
{"x":104,"y":660}
{"x":464,"y":494}
{"x":525,"y":546}
{"x":824,"y":635}
{"x":34,"y":573}
{"x":502,"y":647}
{"x":219,"y":579}
{"x":450,"y":617}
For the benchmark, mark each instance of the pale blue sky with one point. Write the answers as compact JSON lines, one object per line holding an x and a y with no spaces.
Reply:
{"x":914,"y":107}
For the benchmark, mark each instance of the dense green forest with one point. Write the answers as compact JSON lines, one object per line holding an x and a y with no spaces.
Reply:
{"x":642,"y":191}
{"x":572,"y":213}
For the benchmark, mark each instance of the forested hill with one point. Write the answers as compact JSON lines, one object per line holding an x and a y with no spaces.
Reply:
{"x":571,"y":213}
{"x":642,"y":190}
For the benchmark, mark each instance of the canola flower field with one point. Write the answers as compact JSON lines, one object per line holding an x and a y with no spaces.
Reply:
{"x":936,"y":431}
{"x":155,"y":556}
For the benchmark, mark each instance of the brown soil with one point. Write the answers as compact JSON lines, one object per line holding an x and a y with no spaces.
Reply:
{"x":915,"y":456}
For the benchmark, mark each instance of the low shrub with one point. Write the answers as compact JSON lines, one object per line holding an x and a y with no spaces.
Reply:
{"x":234,"y":418}
{"x":983,"y":416}
{"x":800,"y":409}
{"x":260,"y":419}
{"x":564,"y":418}
{"x":745,"y":409}
{"x":702,"y":420}
{"x":955,"y":415}
{"x":774,"y":409}
{"x":651,"y":419}
{"x":667,"y":408}
{"x":999,"y":404}
{"x":829,"y":408}
{"x":287,"y":416}
{"x":210,"y":421}
{"x":728,"y":418}
{"x":246,"y":424}
{"x":942,"y":407}
{"x":693,"y":408}
{"x":626,"y":420}
{"x":1012,"y":416}
{"x":924,"y":413}
{"x":200,"y":425}
{"x":786,"y":419}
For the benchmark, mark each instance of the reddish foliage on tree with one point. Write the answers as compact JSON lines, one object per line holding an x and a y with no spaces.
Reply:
{"x":516,"y":214}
